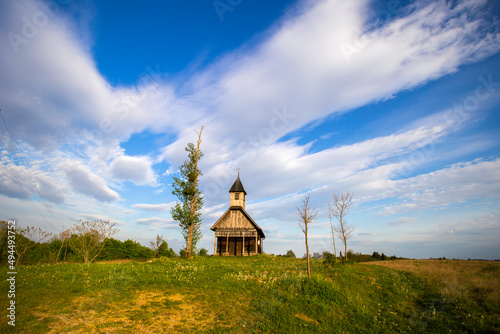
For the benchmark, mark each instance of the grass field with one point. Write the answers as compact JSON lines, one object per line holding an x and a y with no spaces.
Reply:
{"x":255,"y":294}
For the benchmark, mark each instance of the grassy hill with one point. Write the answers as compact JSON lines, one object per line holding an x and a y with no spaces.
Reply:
{"x":253,"y":294}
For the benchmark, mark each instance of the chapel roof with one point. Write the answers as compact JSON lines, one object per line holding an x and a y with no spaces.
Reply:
{"x":237,"y":186}
{"x":234,"y":208}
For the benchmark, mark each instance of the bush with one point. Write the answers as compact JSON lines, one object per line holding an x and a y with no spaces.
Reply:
{"x":290,"y":253}
{"x":164,"y":250}
{"x":325,"y":254}
{"x":203,"y":252}
{"x":329,"y":258}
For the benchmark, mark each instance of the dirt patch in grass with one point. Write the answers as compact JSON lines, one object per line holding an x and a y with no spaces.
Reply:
{"x":144,"y":311}
{"x":305,"y":318}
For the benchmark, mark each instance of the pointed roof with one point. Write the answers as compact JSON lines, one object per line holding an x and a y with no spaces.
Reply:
{"x":237,"y":186}
{"x":257,"y":227}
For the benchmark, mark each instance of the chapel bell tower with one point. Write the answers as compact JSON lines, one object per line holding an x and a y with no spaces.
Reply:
{"x":237,"y":194}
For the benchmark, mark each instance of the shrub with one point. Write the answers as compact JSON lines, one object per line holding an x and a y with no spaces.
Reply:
{"x":203,"y":252}
{"x":329,"y":258}
{"x":290,"y":253}
{"x":164,"y":250}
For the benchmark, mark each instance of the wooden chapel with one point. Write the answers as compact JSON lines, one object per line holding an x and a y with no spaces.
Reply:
{"x":236,"y":233}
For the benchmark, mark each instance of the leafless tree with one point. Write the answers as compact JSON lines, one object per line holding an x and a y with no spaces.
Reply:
{"x":339,"y":209}
{"x":330,"y":215}
{"x":306,"y":216}
{"x":155,"y":244}
{"x":25,"y":242}
{"x":89,"y":237}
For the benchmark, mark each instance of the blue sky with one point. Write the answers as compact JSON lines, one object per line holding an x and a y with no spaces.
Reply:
{"x":395,"y":101}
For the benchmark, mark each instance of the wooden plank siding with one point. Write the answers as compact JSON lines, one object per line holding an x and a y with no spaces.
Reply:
{"x":235,"y":219}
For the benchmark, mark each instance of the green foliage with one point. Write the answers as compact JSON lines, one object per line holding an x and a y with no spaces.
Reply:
{"x":290,"y":253}
{"x":357,"y":257}
{"x":113,"y":250}
{"x":129,"y":249}
{"x":164,"y":250}
{"x":187,"y":191}
{"x":203,"y":252}
{"x":329,"y":259}
{"x":3,"y":242}
{"x":181,"y":213}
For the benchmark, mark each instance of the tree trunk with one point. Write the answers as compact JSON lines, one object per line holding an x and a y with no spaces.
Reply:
{"x":345,"y":249}
{"x":189,"y":243}
{"x":333,"y":238}
{"x":307,"y":252}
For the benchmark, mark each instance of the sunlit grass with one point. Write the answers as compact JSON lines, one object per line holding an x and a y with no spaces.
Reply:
{"x":238,"y":295}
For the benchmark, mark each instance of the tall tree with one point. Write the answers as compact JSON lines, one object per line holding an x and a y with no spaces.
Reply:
{"x":306,"y":216}
{"x":187,"y":212}
{"x":339,"y":209}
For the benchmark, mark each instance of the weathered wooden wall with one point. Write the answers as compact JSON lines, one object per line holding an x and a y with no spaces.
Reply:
{"x":235,"y":219}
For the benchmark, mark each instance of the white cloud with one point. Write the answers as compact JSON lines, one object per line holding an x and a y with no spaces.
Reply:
{"x":458,"y":183}
{"x":93,"y":216}
{"x":154,"y":207}
{"x":401,"y":221}
{"x":20,"y":181}
{"x":301,"y":66}
{"x":158,"y":222}
{"x":84,"y":181}
{"x":135,"y":169}
{"x":488,"y":224}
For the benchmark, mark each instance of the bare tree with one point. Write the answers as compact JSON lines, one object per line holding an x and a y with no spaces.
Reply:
{"x":306,"y":216}
{"x":339,"y":209}
{"x":155,"y":244}
{"x":24,"y":240}
{"x":89,"y":237}
{"x":330,"y":215}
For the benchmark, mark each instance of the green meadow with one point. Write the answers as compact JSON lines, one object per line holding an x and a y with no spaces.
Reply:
{"x":259,"y":294}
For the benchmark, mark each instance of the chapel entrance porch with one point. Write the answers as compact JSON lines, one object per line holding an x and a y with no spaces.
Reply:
{"x":238,"y":246}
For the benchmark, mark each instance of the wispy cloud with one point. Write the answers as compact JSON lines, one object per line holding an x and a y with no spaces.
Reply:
{"x":403,"y":221}
{"x":58,"y":105}
{"x":82,"y":180}
{"x":154,"y":207}
{"x":156,"y":221}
